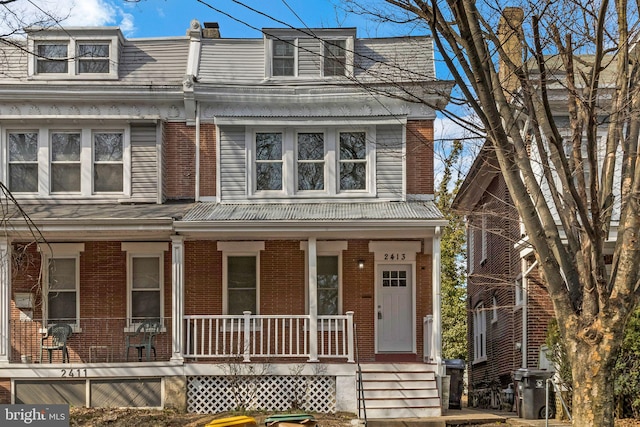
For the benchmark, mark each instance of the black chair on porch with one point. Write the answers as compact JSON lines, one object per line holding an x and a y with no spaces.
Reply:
{"x":56,"y":339}
{"x":143,"y":339}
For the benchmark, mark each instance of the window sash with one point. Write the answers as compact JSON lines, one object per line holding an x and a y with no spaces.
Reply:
{"x":328,"y":284}
{"x":52,"y":58}
{"x":23,"y":162}
{"x":65,"y":162}
{"x":353,"y":161}
{"x":311,"y":163}
{"x":146,"y":287}
{"x":334,"y":57}
{"x":62,"y":290}
{"x":479,"y":333}
{"x":108,"y":165}
{"x":93,"y":58}
{"x":242,"y":284}
{"x":269,"y":161}
{"x":283,"y":58}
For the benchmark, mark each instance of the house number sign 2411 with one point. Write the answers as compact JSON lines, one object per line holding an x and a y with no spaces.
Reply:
{"x":395,"y":256}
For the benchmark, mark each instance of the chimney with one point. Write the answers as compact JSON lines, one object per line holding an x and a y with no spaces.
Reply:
{"x":508,"y":34}
{"x":211,"y":30}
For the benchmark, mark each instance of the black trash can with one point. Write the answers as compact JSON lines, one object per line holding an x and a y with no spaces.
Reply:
{"x":531,"y":401}
{"x":455,"y":371}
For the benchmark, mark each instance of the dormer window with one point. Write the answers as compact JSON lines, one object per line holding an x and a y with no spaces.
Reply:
{"x":93,"y":58}
{"x":74,"y":54}
{"x":52,"y":58}
{"x":284,"y":58}
{"x":335,"y":58}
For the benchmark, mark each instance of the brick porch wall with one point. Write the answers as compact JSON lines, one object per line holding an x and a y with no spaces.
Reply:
{"x":5,"y":391}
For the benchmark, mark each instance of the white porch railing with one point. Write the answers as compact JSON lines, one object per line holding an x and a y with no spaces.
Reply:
{"x":268,"y":336}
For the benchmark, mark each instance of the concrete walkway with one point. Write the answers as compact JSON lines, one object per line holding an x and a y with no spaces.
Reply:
{"x":467,"y":417}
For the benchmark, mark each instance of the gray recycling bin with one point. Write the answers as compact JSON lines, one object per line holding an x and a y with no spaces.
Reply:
{"x":531,"y":384}
{"x":455,"y":370}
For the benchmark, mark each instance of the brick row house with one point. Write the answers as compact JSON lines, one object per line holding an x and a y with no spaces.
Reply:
{"x":508,"y":303}
{"x":266,"y":203}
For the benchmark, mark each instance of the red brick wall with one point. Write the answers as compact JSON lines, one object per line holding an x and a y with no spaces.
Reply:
{"x":179,"y":155}
{"x":207,"y":160}
{"x":103,"y":301}
{"x":282,"y":284}
{"x":419,"y":157}
{"x":5,"y":391}
{"x":495,"y":278}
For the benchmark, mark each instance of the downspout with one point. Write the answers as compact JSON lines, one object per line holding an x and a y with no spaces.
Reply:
{"x":197,"y":189}
{"x":436,"y":348}
{"x":525,"y":304}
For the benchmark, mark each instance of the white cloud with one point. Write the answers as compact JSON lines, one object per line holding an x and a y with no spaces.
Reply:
{"x":23,"y":13}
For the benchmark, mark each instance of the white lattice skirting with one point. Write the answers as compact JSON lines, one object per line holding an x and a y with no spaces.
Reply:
{"x":213,"y":394}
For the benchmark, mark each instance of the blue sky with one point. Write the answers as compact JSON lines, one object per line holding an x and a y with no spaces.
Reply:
{"x":158,"y":18}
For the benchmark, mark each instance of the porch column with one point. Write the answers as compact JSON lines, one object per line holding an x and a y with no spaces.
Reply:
{"x":313,"y":300}
{"x":5,"y":299}
{"x":177,"y":297}
{"x":436,"y":348}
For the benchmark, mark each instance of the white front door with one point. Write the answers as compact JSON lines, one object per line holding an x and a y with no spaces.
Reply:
{"x":394,"y":286}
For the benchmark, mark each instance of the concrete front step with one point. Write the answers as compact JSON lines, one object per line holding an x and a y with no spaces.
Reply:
{"x":401,"y":412}
{"x":400,"y":390}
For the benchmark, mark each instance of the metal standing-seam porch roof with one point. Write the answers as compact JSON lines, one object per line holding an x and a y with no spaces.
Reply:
{"x":300,"y":220}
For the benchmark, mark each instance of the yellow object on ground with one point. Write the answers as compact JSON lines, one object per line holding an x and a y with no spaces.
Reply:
{"x":239,"y":421}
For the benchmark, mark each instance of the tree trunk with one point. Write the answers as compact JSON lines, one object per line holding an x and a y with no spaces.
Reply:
{"x":592,"y":385}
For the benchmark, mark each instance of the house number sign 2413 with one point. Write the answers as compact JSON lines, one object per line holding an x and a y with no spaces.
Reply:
{"x":395,"y":256}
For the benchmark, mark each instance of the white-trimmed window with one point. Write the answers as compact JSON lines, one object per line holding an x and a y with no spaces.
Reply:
{"x":145,"y":281}
{"x":68,"y":162}
{"x":268,"y":149}
{"x":353,"y":161}
{"x":23,"y":161}
{"x":335,"y":58}
{"x":62,"y":56}
{"x":311,"y":161}
{"x":328,"y":276}
{"x":241,"y":278}
{"x":108,"y":167}
{"x":283,"y":59}
{"x":52,"y":58}
{"x":93,"y":58}
{"x":65,"y":162}
{"x":479,"y":333}
{"x":62,"y":283}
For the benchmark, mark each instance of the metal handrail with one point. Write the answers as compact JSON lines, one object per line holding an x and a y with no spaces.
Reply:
{"x":359,"y":381}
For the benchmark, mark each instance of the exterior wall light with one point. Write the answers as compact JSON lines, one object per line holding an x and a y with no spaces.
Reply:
{"x":360,"y":264}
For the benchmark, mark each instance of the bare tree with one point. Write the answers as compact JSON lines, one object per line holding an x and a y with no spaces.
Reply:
{"x":559,"y":106}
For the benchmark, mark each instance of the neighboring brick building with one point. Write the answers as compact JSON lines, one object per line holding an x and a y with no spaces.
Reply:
{"x":245,"y":194}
